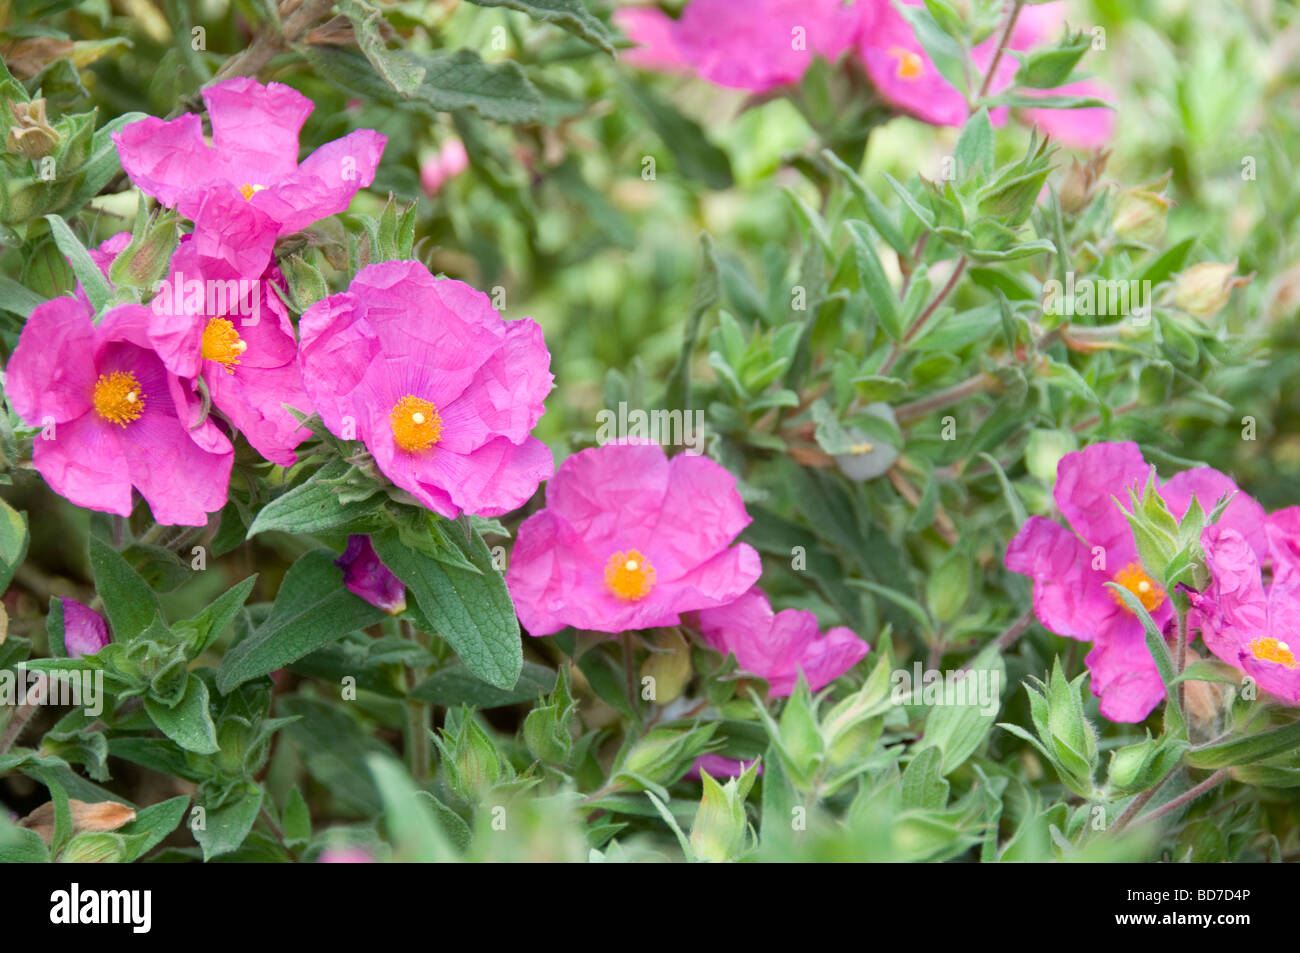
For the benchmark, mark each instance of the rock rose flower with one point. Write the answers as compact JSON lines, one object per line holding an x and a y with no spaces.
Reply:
{"x":254,"y":153}
{"x":443,"y":392}
{"x":777,"y":646}
{"x":629,"y":540}
{"x":113,"y":418}
{"x":1070,"y":569}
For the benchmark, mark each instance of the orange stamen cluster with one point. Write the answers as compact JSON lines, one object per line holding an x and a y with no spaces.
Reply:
{"x":629,"y":575}
{"x":118,"y":398}
{"x":1271,"y":650}
{"x":248,"y":190}
{"x":222,"y":343}
{"x":415,"y":422}
{"x":1134,"y":578}
{"x":910,"y":65}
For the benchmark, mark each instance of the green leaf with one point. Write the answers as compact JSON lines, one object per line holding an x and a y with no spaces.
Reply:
{"x":413,"y":830}
{"x":189,"y":723}
{"x":367,"y":22}
{"x":297,"y":819}
{"x":880,"y":217}
{"x":155,"y":823}
{"x":18,"y":299}
{"x":18,"y":845}
{"x":202,"y":630}
{"x":87,"y":272}
{"x":707,"y":292}
{"x":974,"y":152}
{"x":1251,"y":748}
{"x":696,"y":157}
{"x":923,"y":784}
{"x":225,"y":827}
{"x":457,"y":685}
{"x":472,"y":611}
{"x":129,"y":603}
{"x":874,"y":282}
{"x":312,"y":609}
{"x":13,"y":542}
{"x":569,"y":15}
{"x":314,"y":506}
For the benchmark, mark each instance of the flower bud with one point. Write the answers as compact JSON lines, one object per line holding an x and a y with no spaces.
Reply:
{"x":1045,"y":450}
{"x":1204,"y":289}
{"x":367,"y":577}
{"x":84,"y":629}
{"x":719,"y":831}
{"x":31,"y":136}
{"x":1080,"y":185}
{"x":1140,"y":214}
{"x":669,"y":665}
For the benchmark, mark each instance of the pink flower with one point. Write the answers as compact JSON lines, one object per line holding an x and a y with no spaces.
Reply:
{"x":1089,"y":128}
{"x":907,"y":79}
{"x":719,"y":767}
{"x":366,"y":576}
{"x":84,"y":630}
{"x":1070,"y":571}
{"x":777,"y":646}
{"x":629,"y":540}
{"x":450,"y":161}
{"x":254,"y":154}
{"x":113,"y":418}
{"x":228,"y":327}
{"x":1245,"y":623}
{"x":756,"y":46}
{"x":443,"y":392}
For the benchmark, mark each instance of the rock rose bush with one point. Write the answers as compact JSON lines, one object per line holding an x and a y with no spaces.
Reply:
{"x":585,"y":430}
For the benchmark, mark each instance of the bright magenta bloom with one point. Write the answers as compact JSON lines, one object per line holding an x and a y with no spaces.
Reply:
{"x":629,"y":540}
{"x":84,"y":630}
{"x":209,"y":321}
{"x":443,"y":392}
{"x":254,"y":154}
{"x":1070,"y":571}
{"x":367,"y":577}
{"x":906,"y":78}
{"x":777,"y":646}
{"x":756,"y":45}
{"x":1245,"y":623}
{"x":112,"y":417}
{"x":718,"y":766}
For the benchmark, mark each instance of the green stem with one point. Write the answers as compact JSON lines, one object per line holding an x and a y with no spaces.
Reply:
{"x":418,"y":714}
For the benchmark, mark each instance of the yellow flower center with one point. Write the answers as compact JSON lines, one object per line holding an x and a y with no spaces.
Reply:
{"x":248,"y":190}
{"x":629,"y":575}
{"x":910,"y":65}
{"x":415,"y":422}
{"x":222,"y":343}
{"x":1271,"y":650}
{"x":118,"y":398}
{"x":1134,"y":578}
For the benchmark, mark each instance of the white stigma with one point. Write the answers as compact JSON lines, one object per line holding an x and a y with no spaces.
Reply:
{"x":1144,"y":586}
{"x":130,"y":397}
{"x":630,"y":565}
{"x":1282,"y":646}
{"x":417,"y":417}
{"x":241,"y":347}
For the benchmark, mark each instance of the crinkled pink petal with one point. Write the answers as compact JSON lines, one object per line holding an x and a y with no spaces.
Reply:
{"x":1124,"y":676}
{"x":1208,"y":486}
{"x":255,"y":128}
{"x":232,"y":238}
{"x":51,"y":374}
{"x":1282,"y":528}
{"x":719,"y":767}
{"x":1087,"y":128}
{"x":336,"y":349}
{"x":654,"y":33}
{"x":254,"y":398}
{"x":1088,"y":482}
{"x":611,"y":493}
{"x":701,"y":511}
{"x":84,"y":463}
{"x":167,"y":160}
{"x":325,"y":183}
{"x":901,"y":71}
{"x":547,"y":568}
{"x":1070,"y":597}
